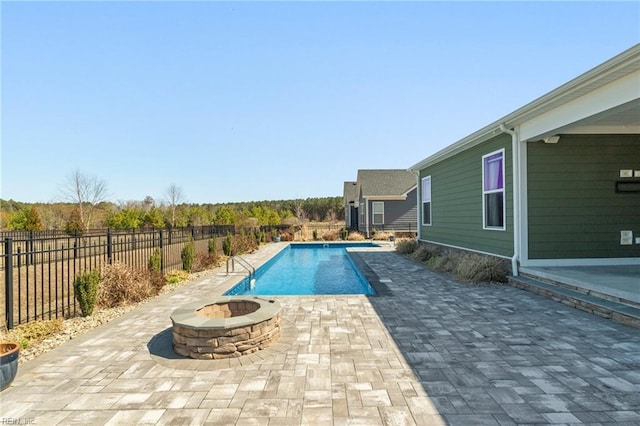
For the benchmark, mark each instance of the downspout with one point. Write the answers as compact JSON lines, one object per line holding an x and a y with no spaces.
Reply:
{"x":515,"y":155}
{"x":366,"y":216}
{"x":418,"y":210}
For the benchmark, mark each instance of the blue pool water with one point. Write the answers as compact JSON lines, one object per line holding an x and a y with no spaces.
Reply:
{"x":304,"y":269}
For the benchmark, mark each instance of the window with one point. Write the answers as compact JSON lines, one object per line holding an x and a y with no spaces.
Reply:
{"x":493,"y":190}
{"x":426,"y":201}
{"x":378,"y":212}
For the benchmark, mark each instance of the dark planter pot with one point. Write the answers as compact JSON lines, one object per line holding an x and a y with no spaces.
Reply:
{"x":9,"y":353}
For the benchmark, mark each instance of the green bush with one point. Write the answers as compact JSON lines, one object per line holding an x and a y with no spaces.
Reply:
{"x":33,"y":332}
{"x":85,"y":287}
{"x":227,"y":245}
{"x":315,"y":235}
{"x":188,"y":254}
{"x":176,"y":276}
{"x":212,"y":246}
{"x":155,"y":261}
{"x":344,"y":233}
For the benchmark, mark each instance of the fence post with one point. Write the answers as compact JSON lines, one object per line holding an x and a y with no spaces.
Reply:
{"x":109,"y":247}
{"x":8,"y":281}
{"x":31,"y":258}
{"x":161,"y":252}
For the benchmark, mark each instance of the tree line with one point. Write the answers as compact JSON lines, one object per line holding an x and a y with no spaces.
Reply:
{"x":15,"y":215}
{"x":83,"y":205}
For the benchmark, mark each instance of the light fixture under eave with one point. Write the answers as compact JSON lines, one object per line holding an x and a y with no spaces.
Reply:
{"x":552,"y":139}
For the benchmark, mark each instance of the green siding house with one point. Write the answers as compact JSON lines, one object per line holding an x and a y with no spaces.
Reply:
{"x":555,"y":183}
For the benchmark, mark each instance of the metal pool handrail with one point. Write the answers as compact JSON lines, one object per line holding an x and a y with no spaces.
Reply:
{"x":246,"y":265}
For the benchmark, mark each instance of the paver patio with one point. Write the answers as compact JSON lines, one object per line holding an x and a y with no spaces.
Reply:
{"x":434,"y":351}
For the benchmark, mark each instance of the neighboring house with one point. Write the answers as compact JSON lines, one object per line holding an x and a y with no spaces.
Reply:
{"x":554,"y":183}
{"x":350,"y":199}
{"x":386,"y":201}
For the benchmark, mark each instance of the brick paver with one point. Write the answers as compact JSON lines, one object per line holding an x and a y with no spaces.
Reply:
{"x":433,"y":351}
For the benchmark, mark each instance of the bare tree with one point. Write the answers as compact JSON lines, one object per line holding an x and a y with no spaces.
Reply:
{"x":86,"y":191}
{"x":299,"y":212}
{"x":148,"y":202}
{"x":174,"y":196}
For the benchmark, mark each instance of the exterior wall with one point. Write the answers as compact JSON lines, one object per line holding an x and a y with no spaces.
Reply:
{"x":398,"y":214}
{"x":573,"y":209}
{"x":456,"y":201}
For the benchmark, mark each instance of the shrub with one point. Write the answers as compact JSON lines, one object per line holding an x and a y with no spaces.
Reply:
{"x":212,"y":246}
{"x":227,"y":245}
{"x":287,"y":234}
{"x":85,"y":287}
{"x":330,"y":236}
{"x":406,"y":246}
{"x":244,"y":243}
{"x":423,"y":253}
{"x":155,"y":261}
{"x":382,"y":236}
{"x":478,"y":268}
{"x":176,"y":276}
{"x":187,"y":255}
{"x":33,"y":332}
{"x":156,"y":280}
{"x":315,"y":235}
{"x":355,"y":236}
{"x":344,"y":233}
{"x":204,"y":261}
{"x":445,"y":263}
{"x":121,"y":284}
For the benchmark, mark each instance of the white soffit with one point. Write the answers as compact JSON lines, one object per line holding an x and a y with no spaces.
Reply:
{"x":623,"y":91}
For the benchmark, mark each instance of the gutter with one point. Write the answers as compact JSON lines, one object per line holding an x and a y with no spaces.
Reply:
{"x":515,"y":155}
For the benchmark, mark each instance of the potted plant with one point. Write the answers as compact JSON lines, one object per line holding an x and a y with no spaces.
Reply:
{"x":9,"y":353}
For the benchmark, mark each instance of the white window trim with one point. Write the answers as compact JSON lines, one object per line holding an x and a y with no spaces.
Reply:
{"x":424,"y":201}
{"x":373,"y":212}
{"x":503,"y":190}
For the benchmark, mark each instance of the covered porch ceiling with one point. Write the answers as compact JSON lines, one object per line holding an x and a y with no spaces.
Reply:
{"x":623,"y":119}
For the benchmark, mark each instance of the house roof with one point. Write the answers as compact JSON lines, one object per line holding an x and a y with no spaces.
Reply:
{"x":350,"y":192}
{"x":385,"y":183}
{"x":606,"y":97}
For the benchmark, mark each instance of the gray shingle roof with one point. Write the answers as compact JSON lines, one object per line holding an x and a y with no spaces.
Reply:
{"x":350,"y":192}
{"x":385,"y":182}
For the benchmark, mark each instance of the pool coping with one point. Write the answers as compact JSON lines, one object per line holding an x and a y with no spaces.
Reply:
{"x":380,"y":287}
{"x":186,"y":316}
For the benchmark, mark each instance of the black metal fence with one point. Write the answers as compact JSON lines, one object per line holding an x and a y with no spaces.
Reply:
{"x":39,"y":268}
{"x":410,"y":226}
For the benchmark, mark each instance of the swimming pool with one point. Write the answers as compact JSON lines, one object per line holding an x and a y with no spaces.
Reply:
{"x":306,"y":269}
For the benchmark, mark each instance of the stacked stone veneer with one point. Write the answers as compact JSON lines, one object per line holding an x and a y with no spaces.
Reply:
{"x":226,"y":327}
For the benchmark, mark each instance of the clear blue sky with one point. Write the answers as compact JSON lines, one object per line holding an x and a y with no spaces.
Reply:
{"x":263,"y":101}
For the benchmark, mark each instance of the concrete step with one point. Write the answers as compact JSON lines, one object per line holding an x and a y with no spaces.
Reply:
{"x":615,"y":310}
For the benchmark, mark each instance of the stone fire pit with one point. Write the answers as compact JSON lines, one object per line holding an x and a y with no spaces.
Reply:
{"x":225,"y":327}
